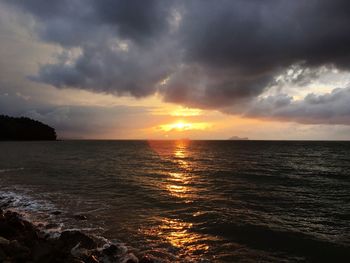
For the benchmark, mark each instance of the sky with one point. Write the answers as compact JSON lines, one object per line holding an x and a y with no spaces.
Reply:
{"x":166,"y":69}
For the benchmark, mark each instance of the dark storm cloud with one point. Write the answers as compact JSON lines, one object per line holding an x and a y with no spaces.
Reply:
{"x":257,"y":36}
{"x":210,"y":54}
{"x":77,"y":22}
{"x":245,"y":44}
{"x":135,"y":19}
{"x":118,"y":43}
{"x":109,"y":69}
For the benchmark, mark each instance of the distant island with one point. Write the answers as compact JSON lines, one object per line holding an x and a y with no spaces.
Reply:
{"x":25,"y":129}
{"x":236,"y":138}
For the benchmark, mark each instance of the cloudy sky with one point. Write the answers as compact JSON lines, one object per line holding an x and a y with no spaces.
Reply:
{"x":200,"y":69}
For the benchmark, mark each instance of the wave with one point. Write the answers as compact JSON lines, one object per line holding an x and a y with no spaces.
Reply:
{"x":43,"y":218}
{"x":11,"y":170}
{"x":296,"y":243}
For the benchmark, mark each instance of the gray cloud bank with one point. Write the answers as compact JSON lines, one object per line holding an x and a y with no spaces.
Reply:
{"x":207,"y":54}
{"x":330,"y":108}
{"x":80,"y":121}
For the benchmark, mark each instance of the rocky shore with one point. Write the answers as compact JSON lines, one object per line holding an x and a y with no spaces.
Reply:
{"x":21,"y":241}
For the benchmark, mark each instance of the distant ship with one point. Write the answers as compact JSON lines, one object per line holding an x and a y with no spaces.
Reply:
{"x":236,"y":138}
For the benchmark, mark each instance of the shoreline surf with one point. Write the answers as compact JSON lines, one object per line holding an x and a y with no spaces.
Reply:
{"x":23,"y":238}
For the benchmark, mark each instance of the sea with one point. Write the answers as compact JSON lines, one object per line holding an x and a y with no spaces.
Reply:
{"x":189,"y":201}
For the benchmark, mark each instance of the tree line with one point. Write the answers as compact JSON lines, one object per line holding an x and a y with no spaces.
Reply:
{"x":24,"y":129}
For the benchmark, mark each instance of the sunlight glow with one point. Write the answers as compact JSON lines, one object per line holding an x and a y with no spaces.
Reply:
{"x":184,"y":126}
{"x":186,"y":112}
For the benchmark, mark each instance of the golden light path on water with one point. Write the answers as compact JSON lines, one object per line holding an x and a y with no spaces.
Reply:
{"x":179,"y":184}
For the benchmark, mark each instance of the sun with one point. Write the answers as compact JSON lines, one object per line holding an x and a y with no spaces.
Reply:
{"x":182,"y":125}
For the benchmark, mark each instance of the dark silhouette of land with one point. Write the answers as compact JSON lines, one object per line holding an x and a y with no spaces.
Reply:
{"x":24,"y":129}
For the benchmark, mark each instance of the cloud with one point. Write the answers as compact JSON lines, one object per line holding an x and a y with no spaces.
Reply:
{"x":92,"y":121}
{"x":82,"y":121}
{"x":202,"y":54}
{"x":111,"y":68}
{"x":241,"y":46}
{"x":330,"y":108}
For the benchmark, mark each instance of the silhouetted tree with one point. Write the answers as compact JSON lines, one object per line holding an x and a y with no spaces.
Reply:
{"x":24,"y":129}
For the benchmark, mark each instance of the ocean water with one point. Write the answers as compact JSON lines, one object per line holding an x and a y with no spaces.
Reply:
{"x":190,"y":201}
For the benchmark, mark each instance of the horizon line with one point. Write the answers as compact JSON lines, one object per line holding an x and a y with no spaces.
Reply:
{"x":183,"y":139}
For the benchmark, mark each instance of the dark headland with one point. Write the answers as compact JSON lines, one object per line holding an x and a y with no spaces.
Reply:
{"x":25,"y":129}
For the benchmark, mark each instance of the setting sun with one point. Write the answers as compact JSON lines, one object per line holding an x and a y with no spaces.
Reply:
{"x":182,"y":126}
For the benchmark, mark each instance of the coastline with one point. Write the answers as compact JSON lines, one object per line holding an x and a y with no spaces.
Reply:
{"x":22,"y":241}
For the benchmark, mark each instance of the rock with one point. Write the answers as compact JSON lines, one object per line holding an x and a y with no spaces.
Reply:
{"x":146,"y":259}
{"x":28,"y":236}
{"x":56,"y":213}
{"x":111,"y":250}
{"x":71,"y":238}
{"x":6,"y":204}
{"x":14,"y":220}
{"x":18,"y":251}
{"x":6,"y":230}
{"x":42,"y":252}
{"x":79,"y":252}
{"x":4,"y":241}
{"x":80,"y":217}
{"x":51,"y":225}
{"x":130,"y":258}
{"x":21,"y":241}
{"x":2,"y":255}
{"x":71,"y":260}
{"x":28,"y":226}
{"x":92,"y":259}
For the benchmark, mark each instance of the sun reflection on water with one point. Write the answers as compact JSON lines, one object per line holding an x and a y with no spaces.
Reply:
{"x":181,"y":154}
{"x":180,"y":183}
{"x":181,"y":238}
{"x":179,"y":234}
